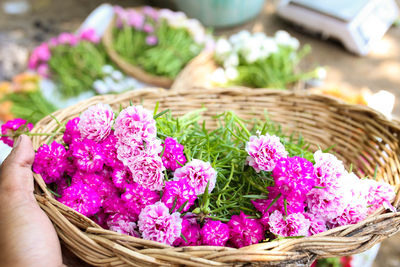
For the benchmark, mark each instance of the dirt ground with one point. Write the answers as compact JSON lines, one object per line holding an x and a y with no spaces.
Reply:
{"x":380,"y":70}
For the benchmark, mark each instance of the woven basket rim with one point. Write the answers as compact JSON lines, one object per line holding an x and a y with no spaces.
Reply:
{"x":283,"y":249}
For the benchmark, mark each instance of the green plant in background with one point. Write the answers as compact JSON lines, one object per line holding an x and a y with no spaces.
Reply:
{"x":160,"y":42}
{"x":256,"y":60}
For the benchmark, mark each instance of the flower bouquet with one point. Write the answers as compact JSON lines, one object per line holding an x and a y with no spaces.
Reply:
{"x":154,"y":45}
{"x":251,"y":60}
{"x":232,"y":188}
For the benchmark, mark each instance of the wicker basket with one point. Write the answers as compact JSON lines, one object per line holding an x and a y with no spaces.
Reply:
{"x":198,"y":73}
{"x":363,"y":136}
{"x":132,"y":70}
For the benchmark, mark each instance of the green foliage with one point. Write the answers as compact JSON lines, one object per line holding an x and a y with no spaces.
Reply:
{"x":224,"y":147}
{"x":175,"y":48}
{"x":75,"y":68}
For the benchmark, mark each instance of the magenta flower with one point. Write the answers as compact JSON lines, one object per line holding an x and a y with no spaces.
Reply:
{"x":151,"y":40}
{"x":87,"y":155}
{"x":96,"y":122}
{"x":135,"y":124}
{"x":109,"y":149}
{"x":89,"y":35}
{"x":317,"y":224}
{"x":122,"y":177}
{"x":264,"y":152}
{"x":51,"y":162}
{"x":122,"y":224}
{"x":115,"y":205}
{"x":378,"y":194}
{"x":191,"y":232}
{"x":72,"y":132}
{"x":294,"y":177}
{"x":15,"y":128}
{"x":198,"y":173}
{"x":244,"y":231}
{"x":98,"y":182}
{"x":137,"y":197}
{"x":173,"y":153}
{"x":100,"y":218}
{"x":328,"y":168}
{"x":295,"y":224}
{"x":155,"y":223}
{"x":148,"y":171}
{"x":214,"y":233}
{"x":179,"y":191}
{"x":40,"y":54}
{"x":80,"y":197}
{"x":67,"y":38}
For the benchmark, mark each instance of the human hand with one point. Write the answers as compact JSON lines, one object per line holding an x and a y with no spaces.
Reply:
{"x":27,"y":237}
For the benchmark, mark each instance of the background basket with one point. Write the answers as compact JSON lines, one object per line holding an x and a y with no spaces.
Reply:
{"x":198,"y":73}
{"x":132,"y":70}
{"x":363,"y":137}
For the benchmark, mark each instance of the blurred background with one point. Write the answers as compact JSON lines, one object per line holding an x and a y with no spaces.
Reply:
{"x":24,"y":24}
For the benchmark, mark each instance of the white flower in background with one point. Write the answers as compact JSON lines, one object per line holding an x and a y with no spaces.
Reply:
{"x":114,"y":81}
{"x":231,"y":73}
{"x":219,"y":76}
{"x":269,"y":46}
{"x":231,"y":61}
{"x":320,"y":73}
{"x":100,"y":87}
{"x":107,"y":69}
{"x":222,"y":49}
{"x":239,"y":37}
{"x":283,"y":38}
{"x":117,"y":75}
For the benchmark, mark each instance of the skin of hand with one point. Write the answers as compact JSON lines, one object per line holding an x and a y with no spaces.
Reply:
{"x":27,"y":236}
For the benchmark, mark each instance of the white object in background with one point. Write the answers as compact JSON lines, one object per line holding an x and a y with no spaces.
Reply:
{"x":358,"y":24}
{"x":99,"y":19}
{"x":382,"y":101}
{"x":4,"y":151}
{"x":365,"y":259}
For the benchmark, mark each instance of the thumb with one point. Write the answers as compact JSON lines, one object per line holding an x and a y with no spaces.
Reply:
{"x":16,"y":170}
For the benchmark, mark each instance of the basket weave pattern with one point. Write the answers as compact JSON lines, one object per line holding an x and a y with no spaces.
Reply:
{"x":362,"y":136}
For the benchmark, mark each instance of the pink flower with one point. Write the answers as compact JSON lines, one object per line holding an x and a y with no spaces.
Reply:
{"x":98,"y":182}
{"x":121,"y":177}
{"x":191,"y":232}
{"x":151,"y":40}
{"x":245,"y":231}
{"x":135,"y":19}
{"x":87,"y":155}
{"x":198,"y":173}
{"x":15,"y":128}
{"x":43,"y":70}
{"x":80,"y":197}
{"x":96,"y":122}
{"x":115,"y":205}
{"x":67,"y":38}
{"x":137,"y":197}
{"x":151,"y":12}
{"x":378,"y":194}
{"x":173,"y":153}
{"x":89,"y":35}
{"x":294,"y":224}
{"x":72,"y":132}
{"x":51,"y":162}
{"x":100,"y":218}
{"x":317,"y":224}
{"x":127,"y":152}
{"x":178,"y":192}
{"x":40,"y":54}
{"x":121,"y":224}
{"x":155,"y":223}
{"x":328,"y":168}
{"x":264,"y":152}
{"x":327,"y":203}
{"x":294,"y":177}
{"x":148,"y":28}
{"x":355,"y":212}
{"x":109,"y":148}
{"x":135,"y":124}
{"x":148,"y":171}
{"x":214,"y":233}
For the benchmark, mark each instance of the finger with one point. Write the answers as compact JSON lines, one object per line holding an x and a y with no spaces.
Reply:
{"x":16,"y":171}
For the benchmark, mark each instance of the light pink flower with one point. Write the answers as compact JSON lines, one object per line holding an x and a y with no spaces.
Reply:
{"x":135,"y":124}
{"x":317,"y":224}
{"x":148,"y":28}
{"x":43,"y":70}
{"x":151,"y":12}
{"x":294,"y":224}
{"x":327,"y":203}
{"x":151,"y":40}
{"x":378,"y":194}
{"x":127,"y":152}
{"x":148,"y":171}
{"x":67,"y":38}
{"x":96,"y":122}
{"x":328,"y":168}
{"x":214,"y":233}
{"x":264,"y":152}
{"x":135,"y":19}
{"x":355,"y":212}
{"x":121,"y":224}
{"x":178,"y":192}
{"x":89,"y":35}
{"x":198,"y":173}
{"x":156,"y":224}
{"x":244,"y":231}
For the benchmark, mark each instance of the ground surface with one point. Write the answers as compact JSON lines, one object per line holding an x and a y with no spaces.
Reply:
{"x":379,"y":70}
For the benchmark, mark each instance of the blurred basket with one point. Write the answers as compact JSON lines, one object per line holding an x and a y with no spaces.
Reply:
{"x":198,"y":73}
{"x":363,"y":137}
{"x":132,"y":70}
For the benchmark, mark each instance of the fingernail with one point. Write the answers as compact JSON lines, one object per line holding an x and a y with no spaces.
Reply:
{"x":17,"y":142}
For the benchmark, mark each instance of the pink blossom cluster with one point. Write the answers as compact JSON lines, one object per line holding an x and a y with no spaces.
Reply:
{"x":13,"y":128}
{"x":40,"y":56}
{"x":308,"y":198}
